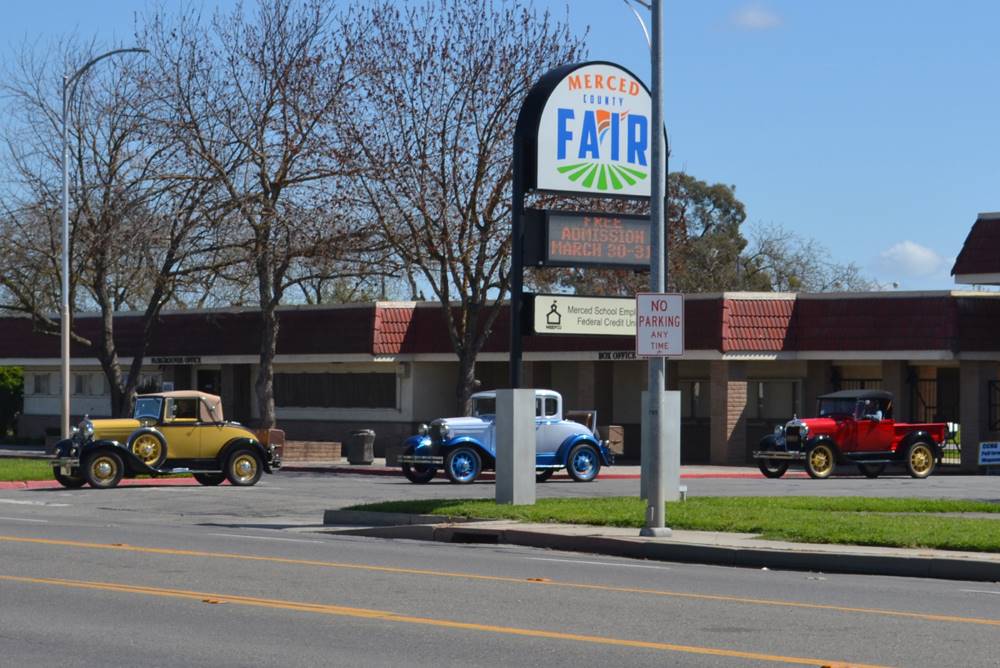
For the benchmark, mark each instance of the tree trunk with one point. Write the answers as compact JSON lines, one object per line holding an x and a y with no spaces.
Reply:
{"x":265,"y":376}
{"x":466,"y":380}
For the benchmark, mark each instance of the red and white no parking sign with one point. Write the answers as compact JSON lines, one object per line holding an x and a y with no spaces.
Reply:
{"x":659,"y":324}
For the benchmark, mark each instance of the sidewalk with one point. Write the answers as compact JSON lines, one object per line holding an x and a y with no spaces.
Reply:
{"x":700,"y":547}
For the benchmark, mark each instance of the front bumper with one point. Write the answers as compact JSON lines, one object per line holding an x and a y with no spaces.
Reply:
{"x":436,"y":460}
{"x":65,"y":465}
{"x":779,"y":454}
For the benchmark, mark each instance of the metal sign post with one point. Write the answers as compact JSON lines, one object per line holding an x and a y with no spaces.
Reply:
{"x":655,"y":503}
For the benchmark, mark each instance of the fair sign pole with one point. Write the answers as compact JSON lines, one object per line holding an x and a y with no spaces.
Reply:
{"x":656,"y":497}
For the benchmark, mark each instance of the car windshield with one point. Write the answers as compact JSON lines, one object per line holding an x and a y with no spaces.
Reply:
{"x":484,"y":406}
{"x":147,"y":407}
{"x":836,"y":407}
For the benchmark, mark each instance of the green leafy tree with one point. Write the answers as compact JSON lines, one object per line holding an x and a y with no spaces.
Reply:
{"x":11,"y":397}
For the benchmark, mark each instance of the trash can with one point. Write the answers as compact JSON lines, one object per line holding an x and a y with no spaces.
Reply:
{"x":361,"y":447}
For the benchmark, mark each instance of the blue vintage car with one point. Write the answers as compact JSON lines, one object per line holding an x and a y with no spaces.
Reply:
{"x":465,"y":446}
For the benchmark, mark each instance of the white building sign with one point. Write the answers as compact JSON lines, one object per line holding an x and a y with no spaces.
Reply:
{"x":569,"y":314}
{"x":659,"y":328}
{"x":594,"y":134}
{"x":989,"y":454}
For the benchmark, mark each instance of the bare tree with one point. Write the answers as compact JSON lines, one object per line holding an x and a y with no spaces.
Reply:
{"x":434,"y":131}
{"x":793,"y":263}
{"x":132,"y":239}
{"x":258,"y":99}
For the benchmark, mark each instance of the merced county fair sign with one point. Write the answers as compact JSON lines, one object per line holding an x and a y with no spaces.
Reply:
{"x":584,"y":129}
{"x":593,"y":134}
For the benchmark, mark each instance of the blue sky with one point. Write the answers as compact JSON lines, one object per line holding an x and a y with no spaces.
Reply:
{"x":867,"y":126}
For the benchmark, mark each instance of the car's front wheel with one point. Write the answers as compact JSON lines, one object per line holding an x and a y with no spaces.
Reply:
{"x":209,"y":479}
{"x":244,"y":467}
{"x":103,"y":470}
{"x":543,"y":475}
{"x":820,"y":461}
{"x":919,"y":460}
{"x":419,"y":473}
{"x":462,"y":465}
{"x":68,"y":481}
{"x":772,"y":468}
{"x":583,"y":463}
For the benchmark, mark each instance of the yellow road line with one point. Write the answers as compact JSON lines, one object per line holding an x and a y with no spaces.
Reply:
{"x":363,"y":613}
{"x":499,"y":578}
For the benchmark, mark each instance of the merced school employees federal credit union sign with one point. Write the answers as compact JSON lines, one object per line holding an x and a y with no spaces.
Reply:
{"x":594,"y":133}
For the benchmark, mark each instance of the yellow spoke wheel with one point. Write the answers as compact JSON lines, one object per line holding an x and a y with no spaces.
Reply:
{"x":919,"y":460}
{"x":244,"y":467}
{"x":820,"y":461}
{"x":103,"y":469}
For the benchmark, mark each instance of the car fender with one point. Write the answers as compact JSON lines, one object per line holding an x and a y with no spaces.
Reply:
{"x":489,"y":461}
{"x":244,"y":442}
{"x":417,"y":441}
{"x":563,"y":452}
{"x":824,"y":438}
{"x":918,"y":435}
{"x":133,"y":465}
{"x":770,"y":442}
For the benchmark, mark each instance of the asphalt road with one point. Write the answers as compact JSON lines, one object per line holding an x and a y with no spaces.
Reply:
{"x":193,"y":576}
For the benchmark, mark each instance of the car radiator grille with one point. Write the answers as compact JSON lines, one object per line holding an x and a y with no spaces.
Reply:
{"x":435,"y":433}
{"x":793,"y":438}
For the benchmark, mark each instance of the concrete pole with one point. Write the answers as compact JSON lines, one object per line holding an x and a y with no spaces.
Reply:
{"x":515,"y":434}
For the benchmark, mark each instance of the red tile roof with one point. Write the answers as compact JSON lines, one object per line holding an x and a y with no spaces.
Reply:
{"x":730,"y":323}
{"x":980,"y":253}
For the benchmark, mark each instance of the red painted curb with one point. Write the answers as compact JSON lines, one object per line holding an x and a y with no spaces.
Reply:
{"x":488,"y":475}
{"x":52,"y":484}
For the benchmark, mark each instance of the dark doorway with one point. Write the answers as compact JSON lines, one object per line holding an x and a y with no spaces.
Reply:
{"x":210,"y":380}
{"x":241,"y":394}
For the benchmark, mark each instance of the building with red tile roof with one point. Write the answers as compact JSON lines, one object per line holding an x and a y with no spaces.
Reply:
{"x":751,"y":361}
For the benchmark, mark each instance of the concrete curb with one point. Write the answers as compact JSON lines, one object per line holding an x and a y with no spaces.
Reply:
{"x":368,"y":518}
{"x":780,"y":557}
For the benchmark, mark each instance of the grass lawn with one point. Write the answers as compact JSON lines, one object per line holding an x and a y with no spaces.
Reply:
{"x":16,"y":470}
{"x":844,"y":520}
{"x":24,"y":469}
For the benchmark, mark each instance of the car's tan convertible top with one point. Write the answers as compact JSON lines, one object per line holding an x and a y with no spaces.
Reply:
{"x":210,"y":405}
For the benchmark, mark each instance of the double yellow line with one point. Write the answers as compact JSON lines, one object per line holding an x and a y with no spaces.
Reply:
{"x":499,"y":578}
{"x":381,"y":615}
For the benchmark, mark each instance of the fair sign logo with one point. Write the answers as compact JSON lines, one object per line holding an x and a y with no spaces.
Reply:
{"x":594,"y":134}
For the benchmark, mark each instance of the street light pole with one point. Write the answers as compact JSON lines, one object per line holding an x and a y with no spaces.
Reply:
{"x":68,"y":88}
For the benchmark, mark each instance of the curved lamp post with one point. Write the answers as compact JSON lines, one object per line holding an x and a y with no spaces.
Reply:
{"x":68,"y":88}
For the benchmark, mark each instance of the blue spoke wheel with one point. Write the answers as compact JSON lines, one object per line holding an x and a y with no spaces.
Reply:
{"x":583,"y":463}
{"x":463,"y":465}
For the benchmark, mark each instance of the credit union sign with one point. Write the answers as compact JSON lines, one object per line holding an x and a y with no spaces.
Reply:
{"x":570,"y":314}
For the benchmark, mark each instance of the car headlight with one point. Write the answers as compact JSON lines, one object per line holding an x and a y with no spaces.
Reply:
{"x":86,"y":429}
{"x":422,"y":430}
{"x":779,"y":430}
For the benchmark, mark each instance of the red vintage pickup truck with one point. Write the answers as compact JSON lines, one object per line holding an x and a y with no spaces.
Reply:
{"x":852,"y":427}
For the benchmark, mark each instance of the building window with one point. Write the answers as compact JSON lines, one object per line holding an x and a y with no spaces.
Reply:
{"x":81,"y":384}
{"x":41,"y":383}
{"x":335,"y":390}
{"x":772,"y":399}
{"x":694,"y":398}
{"x":994,"y":399}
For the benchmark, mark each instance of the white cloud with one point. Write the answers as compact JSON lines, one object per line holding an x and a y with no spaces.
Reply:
{"x":910,"y":259}
{"x":755,"y":17}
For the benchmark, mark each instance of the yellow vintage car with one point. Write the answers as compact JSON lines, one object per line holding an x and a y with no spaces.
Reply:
{"x":169,"y":432}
